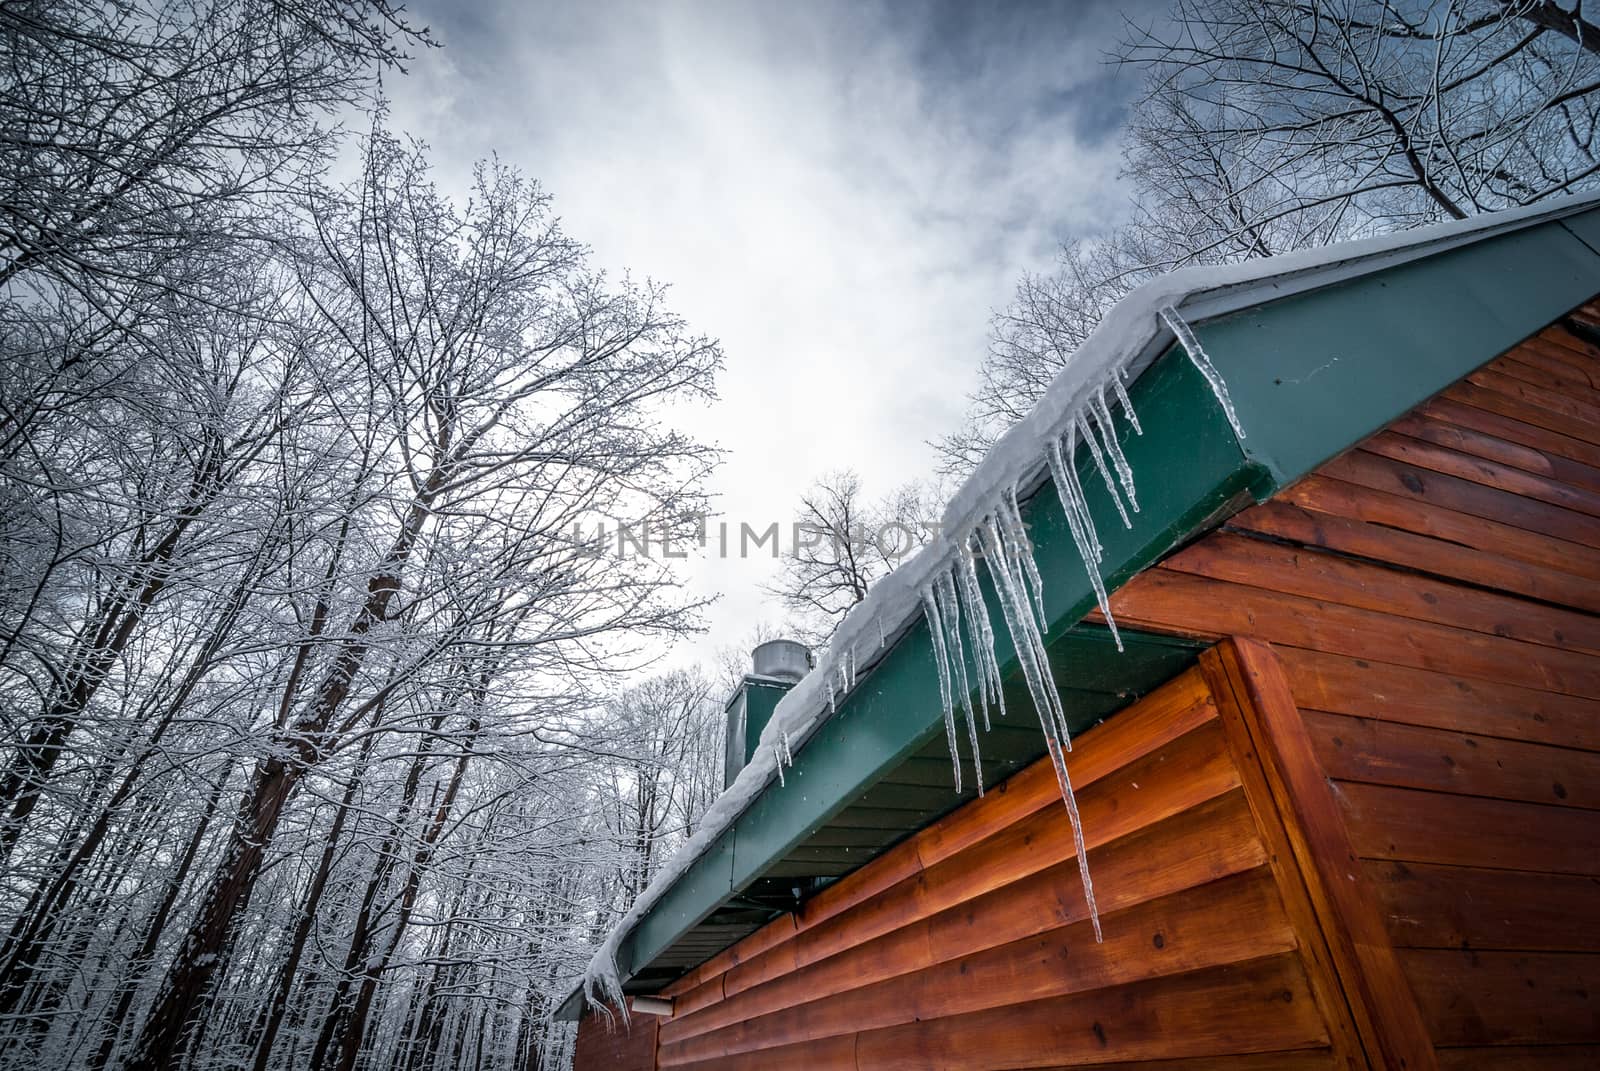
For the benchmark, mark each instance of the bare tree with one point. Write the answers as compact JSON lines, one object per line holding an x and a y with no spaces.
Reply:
{"x":1272,"y":125}
{"x":518,"y":390}
{"x":139,"y":131}
{"x":844,"y":542}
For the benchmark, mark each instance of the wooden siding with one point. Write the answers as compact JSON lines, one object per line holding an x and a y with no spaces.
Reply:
{"x":606,"y":1043}
{"x":969,"y":945}
{"x":1432,"y":596}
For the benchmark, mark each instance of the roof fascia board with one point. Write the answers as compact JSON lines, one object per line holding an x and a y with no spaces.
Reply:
{"x":1300,"y":371}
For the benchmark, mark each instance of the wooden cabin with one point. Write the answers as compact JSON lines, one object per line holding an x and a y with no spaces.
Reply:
{"x":1341,"y":791}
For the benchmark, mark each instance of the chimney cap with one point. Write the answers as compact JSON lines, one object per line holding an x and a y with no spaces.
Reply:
{"x":784,"y":659}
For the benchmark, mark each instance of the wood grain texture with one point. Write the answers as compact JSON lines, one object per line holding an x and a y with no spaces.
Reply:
{"x":977,"y":928}
{"x":1432,"y":597}
{"x":1521,"y":1058}
{"x":1507,"y":998}
{"x":1432,"y":906}
{"x":1361,"y":980}
{"x":610,"y":1044}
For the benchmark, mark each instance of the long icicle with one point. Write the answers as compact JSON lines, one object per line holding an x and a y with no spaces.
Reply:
{"x":1021,"y":548}
{"x":1014,"y":608}
{"x":980,"y":666}
{"x":930,"y":611}
{"x":944,"y":593}
{"x":1093,"y":444}
{"x":1127,"y":403}
{"x":1030,"y":643}
{"x":1046,"y":702}
{"x":978,"y":611}
{"x":1119,"y":460}
{"x":1013,"y":532}
{"x":1198,"y":356}
{"x":1080,"y":505}
{"x":1065,"y":476}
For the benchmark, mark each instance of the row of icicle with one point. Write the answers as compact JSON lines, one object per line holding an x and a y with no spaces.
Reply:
{"x":953,"y":597}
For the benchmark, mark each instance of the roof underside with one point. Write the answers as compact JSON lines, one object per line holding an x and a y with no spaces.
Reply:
{"x":919,"y":789}
{"x":1312,"y":371}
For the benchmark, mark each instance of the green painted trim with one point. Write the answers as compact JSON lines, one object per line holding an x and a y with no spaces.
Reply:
{"x":1313,"y":374}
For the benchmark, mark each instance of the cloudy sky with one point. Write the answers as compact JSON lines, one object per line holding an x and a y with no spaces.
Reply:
{"x":841,"y":193}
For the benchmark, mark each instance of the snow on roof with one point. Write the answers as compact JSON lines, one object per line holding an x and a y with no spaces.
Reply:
{"x":1134,"y":332}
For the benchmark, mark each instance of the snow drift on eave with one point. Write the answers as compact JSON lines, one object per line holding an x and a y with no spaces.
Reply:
{"x":983,"y":519}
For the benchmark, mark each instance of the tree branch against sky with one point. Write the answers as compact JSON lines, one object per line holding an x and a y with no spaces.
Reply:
{"x":1270,"y":126}
{"x":845,"y":542}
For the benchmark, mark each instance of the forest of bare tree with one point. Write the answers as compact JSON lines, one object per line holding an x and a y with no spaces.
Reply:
{"x":315,"y":750}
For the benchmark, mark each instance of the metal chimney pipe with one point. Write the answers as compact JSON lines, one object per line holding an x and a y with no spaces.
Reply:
{"x":781,"y":659}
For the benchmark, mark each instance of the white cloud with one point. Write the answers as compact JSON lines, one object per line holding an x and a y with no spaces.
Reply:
{"x":840,"y":194}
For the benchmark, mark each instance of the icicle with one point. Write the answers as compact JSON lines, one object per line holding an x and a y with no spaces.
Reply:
{"x":944,"y":593}
{"x":930,"y":611}
{"x":1047,"y":701}
{"x":1025,"y":635}
{"x":1065,"y":475}
{"x":777,"y":762}
{"x":1080,"y":504}
{"x":1083,"y":853}
{"x":1070,"y":492}
{"x":788,"y":755}
{"x":1119,"y":460}
{"x":1105,"y":474}
{"x":832,"y":702}
{"x":1127,"y":404}
{"x":1197,"y":355}
{"x":1021,"y":549}
{"x":880,"y":632}
{"x":977,"y":611}
{"x":964,"y":608}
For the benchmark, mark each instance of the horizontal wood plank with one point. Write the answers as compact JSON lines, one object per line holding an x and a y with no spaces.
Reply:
{"x":1167,"y":599}
{"x":1507,"y":998}
{"x":1509,"y":447}
{"x":1256,"y":1007}
{"x":1521,"y":1058}
{"x":1429,"y":906}
{"x":1410,"y":696}
{"x":1480,"y":470}
{"x":1191,"y":930}
{"x":1281,"y":519}
{"x":1376,"y":752}
{"x":1433,"y":827}
{"x":1199,"y":846}
{"x":1246,"y":560}
{"x":1552,"y":444}
{"x":1520,"y":409}
{"x":1409,"y":513}
{"x":1192,"y":770}
{"x":1369,"y":469}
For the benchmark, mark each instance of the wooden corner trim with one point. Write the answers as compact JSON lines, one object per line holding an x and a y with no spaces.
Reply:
{"x":1297,"y":809}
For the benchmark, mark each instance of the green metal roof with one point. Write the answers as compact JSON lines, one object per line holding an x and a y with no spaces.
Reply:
{"x":1313,"y":366}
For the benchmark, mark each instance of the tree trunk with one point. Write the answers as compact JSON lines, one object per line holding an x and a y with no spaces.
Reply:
{"x":163,"y":1042}
{"x":272,"y":1014}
